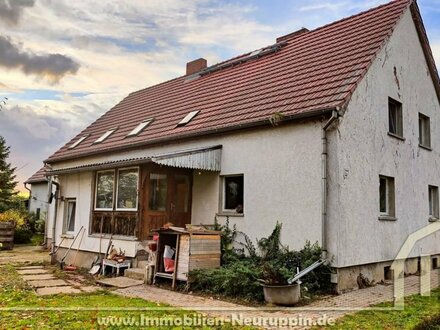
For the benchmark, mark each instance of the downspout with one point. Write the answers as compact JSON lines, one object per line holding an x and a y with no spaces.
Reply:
{"x":55,"y":198}
{"x":49,"y":196}
{"x":30,"y":195}
{"x":324,"y":163}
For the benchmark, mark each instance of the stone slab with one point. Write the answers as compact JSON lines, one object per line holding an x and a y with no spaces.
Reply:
{"x":38,"y":277}
{"x":30,"y":267}
{"x":120,"y":282}
{"x":57,"y":290}
{"x":90,"y":288}
{"x":33,"y":271}
{"x":47,"y":283}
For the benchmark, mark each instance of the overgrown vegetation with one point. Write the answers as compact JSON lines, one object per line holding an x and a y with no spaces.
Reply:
{"x":7,"y":177}
{"x":26,"y":224}
{"x":266,"y":261}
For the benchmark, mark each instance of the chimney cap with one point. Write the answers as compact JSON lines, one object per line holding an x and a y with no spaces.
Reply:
{"x":196,"y":66}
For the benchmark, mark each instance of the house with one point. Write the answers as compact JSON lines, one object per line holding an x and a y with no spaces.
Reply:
{"x":335,"y":132}
{"x":40,"y":202}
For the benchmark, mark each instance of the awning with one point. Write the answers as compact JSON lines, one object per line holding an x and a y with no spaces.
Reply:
{"x":208,"y":159}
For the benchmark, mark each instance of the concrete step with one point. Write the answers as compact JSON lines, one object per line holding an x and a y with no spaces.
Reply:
{"x":135,"y":273}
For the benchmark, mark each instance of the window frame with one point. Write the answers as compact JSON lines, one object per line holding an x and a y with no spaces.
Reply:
{"x":424,"y":129}
{"x":224,"y":210}
{"x":390,"y":198}
{"x":104,"y":136}
{"x":434,"y":201}
{"x":116,"y":188}
{"x":140,"y":127}
{"x":95,"y":208}
{"x":399,"y":118}
{"x":66,"y":214}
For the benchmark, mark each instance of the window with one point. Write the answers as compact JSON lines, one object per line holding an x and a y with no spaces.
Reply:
{"x":395,"y":118}
{"x":386,"y":197}
{"x":105,"y":182}
{"x":188,"y":118}
{"x":127,"y":189}
{"x":233,"y":193}
{"x":158,"y":192}
{"x":433,"y":202}
{"x":105,"y":135}
{"x":424,"y":131}
{"x":81,"y":139}
{"x":70,"y":215}
{"x":139,"y":128}
{"x":38,"y":214}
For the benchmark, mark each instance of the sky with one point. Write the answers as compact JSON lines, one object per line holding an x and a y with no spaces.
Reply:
{"x":64,"y":63}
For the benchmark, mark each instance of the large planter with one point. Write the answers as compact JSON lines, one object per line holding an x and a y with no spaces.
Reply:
{"x":7,"y":231}
{"x":285,"y":295}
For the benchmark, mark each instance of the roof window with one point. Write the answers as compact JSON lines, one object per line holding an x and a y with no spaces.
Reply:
{"x":105,"y":135}
{"x":188,"y":118}
{"x":139,"y":128}
{"x":81,"y":139}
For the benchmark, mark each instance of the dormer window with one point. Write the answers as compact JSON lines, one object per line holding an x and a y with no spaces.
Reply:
{"x":105,"y":135}
{"x":81,"y":139}
{"x":188,"y":118}
{"x":139,"y":128}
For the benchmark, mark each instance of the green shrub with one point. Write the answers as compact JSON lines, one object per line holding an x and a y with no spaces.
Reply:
{"x":429,"y":323}
{"x":22,"y":236}
{"x":14,"y":216}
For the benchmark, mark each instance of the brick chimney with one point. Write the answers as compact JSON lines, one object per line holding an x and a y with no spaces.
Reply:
{"x":196,"y":66}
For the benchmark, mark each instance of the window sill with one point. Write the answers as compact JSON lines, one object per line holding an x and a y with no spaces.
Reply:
{"x":230,"y":214}
{"x":433,"y":219}
{"x":425,"y":147}
{"x":115,"y":237}
{"x":401,"y":138}
{"x":67,"y":236}
{"x":387,"y":218}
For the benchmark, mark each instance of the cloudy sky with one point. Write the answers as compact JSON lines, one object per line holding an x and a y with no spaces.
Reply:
{"x":64,"y":63}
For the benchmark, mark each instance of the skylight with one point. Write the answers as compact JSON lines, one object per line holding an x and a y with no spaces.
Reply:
{"x":139,"y":128}
{"x":105,"y":135}
{"x":188,"y":118}
{"x":81,"y":139}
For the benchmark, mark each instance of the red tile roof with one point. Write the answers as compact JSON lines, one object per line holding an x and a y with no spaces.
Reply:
{"x":311,"y":73}
{"x":38,"y":177}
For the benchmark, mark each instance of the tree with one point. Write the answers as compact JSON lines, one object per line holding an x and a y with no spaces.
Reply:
{"x":7,"y":177}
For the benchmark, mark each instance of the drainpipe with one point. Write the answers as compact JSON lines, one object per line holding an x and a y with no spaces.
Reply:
{"x":324,"y":182}
{"x":55,"y":198}
{"x":30,"y":195}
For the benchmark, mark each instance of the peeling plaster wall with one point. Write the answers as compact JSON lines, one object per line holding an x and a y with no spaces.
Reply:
{"x":361,"y":150}
{"x":282,"y":175}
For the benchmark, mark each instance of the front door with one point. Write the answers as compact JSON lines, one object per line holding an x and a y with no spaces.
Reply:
{"x":166,"y":198}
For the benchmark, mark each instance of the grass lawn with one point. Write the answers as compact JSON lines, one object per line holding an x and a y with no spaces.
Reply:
{"x":15,"y":293}
{"x":417,"y":308}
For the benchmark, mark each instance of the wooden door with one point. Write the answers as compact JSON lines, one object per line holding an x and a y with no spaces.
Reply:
{"x":166,"y":197}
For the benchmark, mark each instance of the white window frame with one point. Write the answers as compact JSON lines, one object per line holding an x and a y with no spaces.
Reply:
{"x":78,"y":142}
{"x":433,"y":196}
{"x":66,"y":215}
{"x":140,"y":127}
{"x":389,"y":213}
{"x":96,"y":190}
{"x":399,"y":118}
{"x":116,"y":186}
{"x":223,"y":194}
{"x":424,"y":130}
{"x":105,"y":135}
{"x":188,"y":118}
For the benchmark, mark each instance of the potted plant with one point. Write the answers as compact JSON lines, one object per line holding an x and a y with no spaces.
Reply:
{"x":278,"y":264}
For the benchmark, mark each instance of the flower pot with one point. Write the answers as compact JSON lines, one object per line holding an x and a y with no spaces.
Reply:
{"x":285,"y":295}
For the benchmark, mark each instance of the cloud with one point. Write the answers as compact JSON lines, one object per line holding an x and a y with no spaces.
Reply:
{"x":51,"y":66}
{"x":11,"y":10}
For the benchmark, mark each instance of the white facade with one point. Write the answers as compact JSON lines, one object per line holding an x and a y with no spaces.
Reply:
{"x":361,"y":150}
{"x":282,"y":169}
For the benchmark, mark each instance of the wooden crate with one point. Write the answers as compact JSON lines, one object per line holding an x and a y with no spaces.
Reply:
{"x":7,"y":230}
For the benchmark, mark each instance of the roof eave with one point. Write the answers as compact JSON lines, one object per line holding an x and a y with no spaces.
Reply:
{"x":264,"y":122}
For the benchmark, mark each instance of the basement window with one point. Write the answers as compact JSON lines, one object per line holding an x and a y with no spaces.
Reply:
{"x":395,"y":117}
{"x":139,"y":128}
{"x":424,"y":131}
{"x":75,"y":144}
{"x":433,"y":202}
{"x":105,"y":135}
{"x":188,"y":118}
{"x":386,"y":198}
